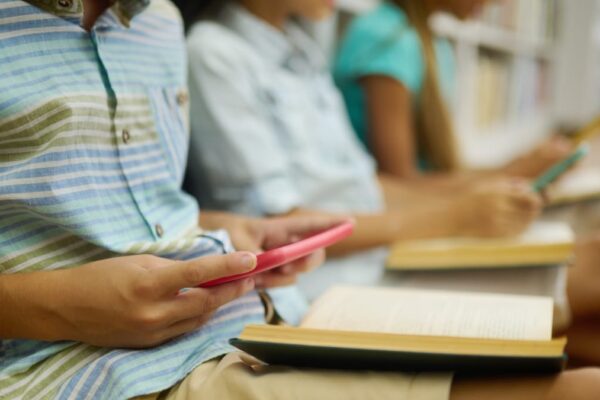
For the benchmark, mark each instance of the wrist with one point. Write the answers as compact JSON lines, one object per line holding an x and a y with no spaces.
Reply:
{"x":31,"y":302}
{"x":213,"y":220}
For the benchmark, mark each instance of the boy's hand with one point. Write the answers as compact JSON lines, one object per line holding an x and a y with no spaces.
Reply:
{"x":130,"y":301}
{"x":258,"y":235}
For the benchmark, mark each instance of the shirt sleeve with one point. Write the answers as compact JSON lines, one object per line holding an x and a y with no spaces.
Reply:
{"x":231,"y":132}
{"x":380,"y":44}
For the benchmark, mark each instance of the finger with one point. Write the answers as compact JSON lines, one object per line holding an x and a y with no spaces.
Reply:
{"x":306,"y":225}
{"x":528,"y":205}
{"x":302,"y":226}
{"x":196,"y":302}
{"x":562,"y":145}
{"x":187,"y":274}
{"x":546,"y":198}
{"x":517,"y":209}
{"x":511,"y":215}
{"x":272,"y":279}
{"x":287,"y":274}
{"x":181,"y":328}
{"x":526,"y":197}
{"x":247,"y":240}
{"x":304,"y":264}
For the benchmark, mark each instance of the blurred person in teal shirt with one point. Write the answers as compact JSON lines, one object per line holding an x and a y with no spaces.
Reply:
{"x":398,"y":78}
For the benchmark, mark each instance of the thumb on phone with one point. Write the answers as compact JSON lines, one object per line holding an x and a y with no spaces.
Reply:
{"x":192,"y":273}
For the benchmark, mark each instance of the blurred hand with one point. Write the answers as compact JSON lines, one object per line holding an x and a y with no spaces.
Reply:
{"x":136,"y":301}
{"x":258,"y":235}
{"x":504,"y":207}
{"x":536,"y":162}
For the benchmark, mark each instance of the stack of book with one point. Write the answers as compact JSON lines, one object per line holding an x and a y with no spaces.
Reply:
{"x":532,"y":264}
{"x":543,"y":245}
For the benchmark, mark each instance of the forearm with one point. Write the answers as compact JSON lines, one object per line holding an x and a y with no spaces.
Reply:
{"x":374,"y":230}
{"x":401,"y":194}
{"x":384,"y":229}
{"x":29,"y":303}
{"x":445,"y":181}
{"x":213,"y":220}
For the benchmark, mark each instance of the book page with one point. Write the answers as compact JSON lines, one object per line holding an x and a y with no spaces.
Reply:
{"x":539,"y":233}
{"x":432,"y":313}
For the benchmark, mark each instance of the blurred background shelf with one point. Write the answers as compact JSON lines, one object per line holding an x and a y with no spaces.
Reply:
{"x":525,"y":68}
{"x":577,"y":78}
{"x":492,"y":37}
{"x":356,"y":6}
{"x":505,"y":72}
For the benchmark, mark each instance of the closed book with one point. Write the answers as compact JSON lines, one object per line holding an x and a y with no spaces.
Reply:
{"x":543,"y":244}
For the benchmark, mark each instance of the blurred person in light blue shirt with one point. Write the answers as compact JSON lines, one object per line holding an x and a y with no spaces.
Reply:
{"x":270,"y":136}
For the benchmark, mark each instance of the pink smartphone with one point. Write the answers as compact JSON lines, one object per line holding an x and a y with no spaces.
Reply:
{"x":282,"y":255}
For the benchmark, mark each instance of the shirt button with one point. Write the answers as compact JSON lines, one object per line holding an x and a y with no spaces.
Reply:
{"x":159,"y":230}
{"x":182,"y":98}
{"x":65,"y":3}
{"x":125,"y":135}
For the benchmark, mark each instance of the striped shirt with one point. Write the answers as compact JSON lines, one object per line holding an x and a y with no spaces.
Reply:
{"x":93,"y":142}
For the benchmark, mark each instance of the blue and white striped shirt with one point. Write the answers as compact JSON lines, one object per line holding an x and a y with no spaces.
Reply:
{"x":93,"y":142}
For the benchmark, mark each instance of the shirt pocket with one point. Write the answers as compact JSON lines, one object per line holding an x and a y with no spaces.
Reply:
{"x":290,"y":115}
{"x":171,"y":114}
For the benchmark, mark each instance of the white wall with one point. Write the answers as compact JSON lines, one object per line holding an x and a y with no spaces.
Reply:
{"x":577,"y":90}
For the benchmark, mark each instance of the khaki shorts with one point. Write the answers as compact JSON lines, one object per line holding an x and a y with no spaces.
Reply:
{"x":238,"y":376}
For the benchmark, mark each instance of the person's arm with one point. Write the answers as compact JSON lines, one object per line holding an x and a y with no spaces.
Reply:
{"x":393,"y":138}
{"x":130,"y":301}
{"x":135,"y":301}
{"x":401,"y":193}
{"x":393,"y":142}
{"x":391,"y":126}
{"x":374,"y":230}
{"x":492,"y":209}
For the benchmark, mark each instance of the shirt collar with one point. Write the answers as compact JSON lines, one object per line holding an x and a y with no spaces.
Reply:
{"x":283,"y":47}
{"x":73,"y":9}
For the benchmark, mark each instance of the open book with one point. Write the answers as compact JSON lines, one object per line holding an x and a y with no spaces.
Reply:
{"x":544,"y":244}
{"x":417,"y":330}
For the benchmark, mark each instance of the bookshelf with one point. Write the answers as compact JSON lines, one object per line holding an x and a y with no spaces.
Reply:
{"x":357,"y":6}
{"x":578,"y":63}
{"x":505,"y":58}
{"x":491,"y":36}
{"x":505,"y":73}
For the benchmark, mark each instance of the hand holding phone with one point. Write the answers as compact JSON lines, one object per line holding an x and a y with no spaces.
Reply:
{"x":283,"y":255}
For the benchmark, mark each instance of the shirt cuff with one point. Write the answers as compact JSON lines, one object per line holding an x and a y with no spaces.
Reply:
{"x":275,"y":196}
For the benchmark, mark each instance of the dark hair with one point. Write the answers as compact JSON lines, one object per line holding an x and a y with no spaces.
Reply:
{"x":195,"y":10}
